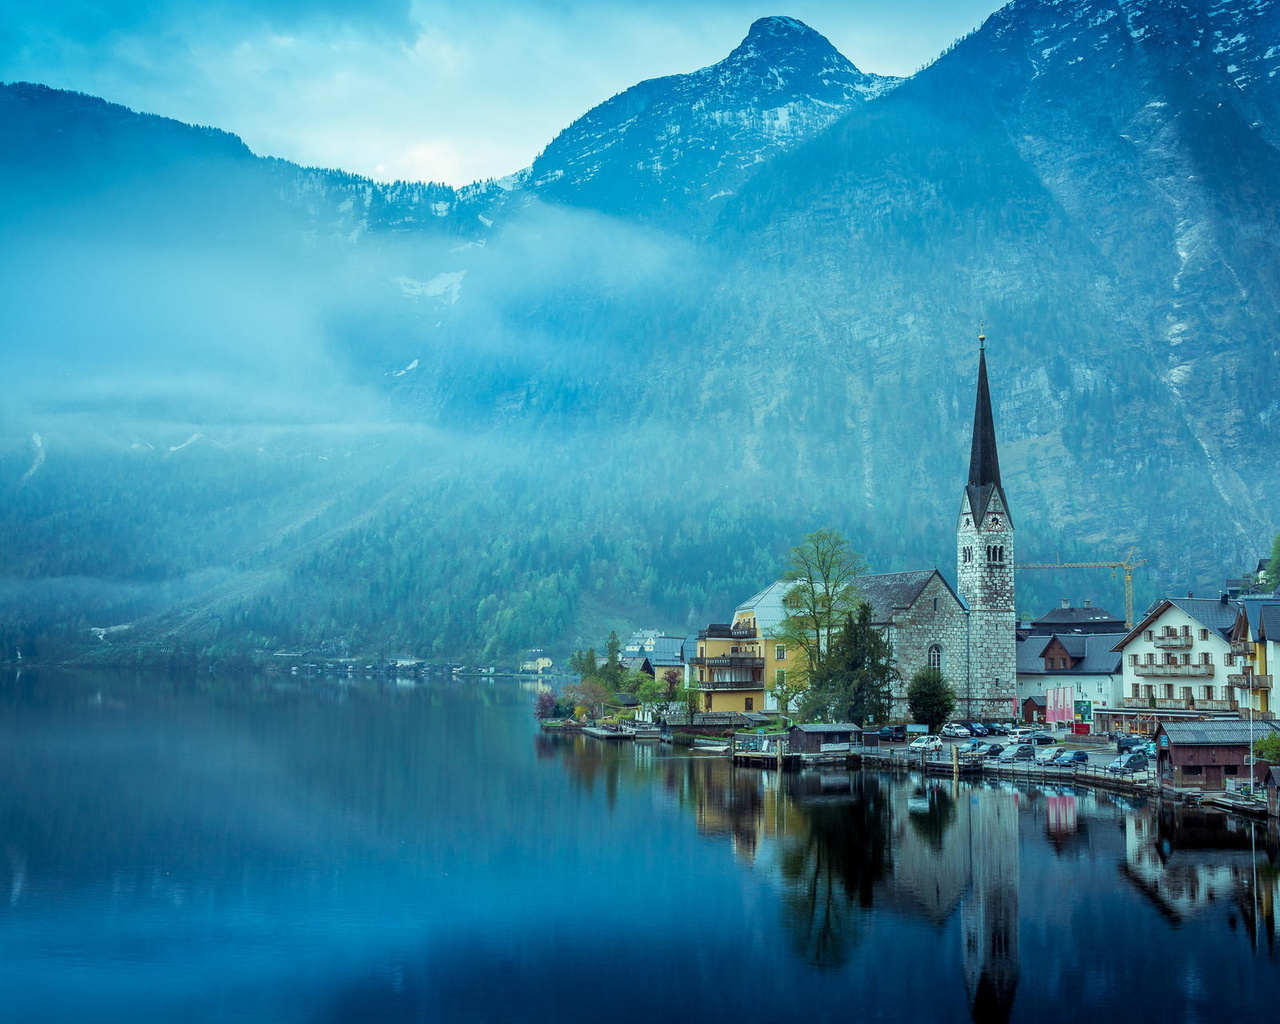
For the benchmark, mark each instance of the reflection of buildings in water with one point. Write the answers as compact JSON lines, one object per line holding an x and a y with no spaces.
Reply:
{"x":956,"y":845}
{"x":1061,"y":814}
{"x":1188,"y":861}
{"x":989,"y":915}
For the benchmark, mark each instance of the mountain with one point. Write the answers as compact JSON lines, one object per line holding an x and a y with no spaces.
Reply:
{"x":683,"y":142}
{"x":303,"y":406}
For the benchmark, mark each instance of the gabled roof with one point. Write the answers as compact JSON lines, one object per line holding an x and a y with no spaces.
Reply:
{"x":1217,"y":732}
{"x":890,"y":590}
{"x":1211,"y":613}
{"x":1097,"y":655}
{"x":883,"y":591}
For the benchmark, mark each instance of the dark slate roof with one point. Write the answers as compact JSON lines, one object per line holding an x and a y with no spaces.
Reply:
{"x":821,"y":727}
{"x":1217,"y":732}
{"x":984,"y":460}
{"x":1270,"y":622}
{"x":1210,"y":612}
{"x":1097,"y":654}
{"x":1038,"y":698}
{"x":1084,"y":620}
{"x":889,"y":590}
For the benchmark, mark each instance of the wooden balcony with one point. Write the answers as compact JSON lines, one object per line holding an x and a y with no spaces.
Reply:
{"x":729,"y":661}
{"x":1242,"y":648}
{"x":1194,"y":671}
{"x":1173,"y":704}
{"x":1172,"y":641}
{"x":734,"y":683}
{"x":1249,"y":681}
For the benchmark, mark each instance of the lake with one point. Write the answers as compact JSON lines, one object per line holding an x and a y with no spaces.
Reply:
{"x":269,"y":850}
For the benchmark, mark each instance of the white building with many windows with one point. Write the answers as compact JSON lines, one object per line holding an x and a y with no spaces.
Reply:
{"x":1177,"y":663}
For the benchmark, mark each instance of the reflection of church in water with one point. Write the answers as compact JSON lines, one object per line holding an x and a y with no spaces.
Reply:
{"x":956,"y":849}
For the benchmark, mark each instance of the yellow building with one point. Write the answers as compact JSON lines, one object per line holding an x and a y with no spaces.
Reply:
{"x":738,"y":665}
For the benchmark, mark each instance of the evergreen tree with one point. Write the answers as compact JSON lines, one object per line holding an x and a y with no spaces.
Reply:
{"x":855,"y":681}
{"x":930,"y":698}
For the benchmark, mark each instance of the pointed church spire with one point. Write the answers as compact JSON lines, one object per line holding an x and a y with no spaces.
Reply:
{"x":984,"y":459}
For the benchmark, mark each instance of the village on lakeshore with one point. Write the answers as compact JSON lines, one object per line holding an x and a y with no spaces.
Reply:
{"x":834,"y":664}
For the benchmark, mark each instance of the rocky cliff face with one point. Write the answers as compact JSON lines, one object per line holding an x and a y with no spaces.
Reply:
{"x":680,"y":143}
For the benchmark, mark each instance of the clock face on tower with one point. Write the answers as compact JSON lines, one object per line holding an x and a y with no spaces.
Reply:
{"x":993,"y":522}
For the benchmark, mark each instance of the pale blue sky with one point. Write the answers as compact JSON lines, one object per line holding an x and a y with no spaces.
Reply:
{"x":415,"y":88}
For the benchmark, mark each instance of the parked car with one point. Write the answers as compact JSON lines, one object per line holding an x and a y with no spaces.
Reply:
{"x":973,"y":746}
{"x":1019,"y":733}
{"x":1126,"y":742}
{"x":926,"y":744}
{"x":1018,"y":752}
{"x":1048,"y":757}
{"x":1127,"y":764}
{"x":997,"y":729}
{"x":977,"y":728}
{"x":1040,"y":739}
{"x":894,"y":733}
{"x":956,"y":730}
{"x":993,"y":750}
{"x":1070,"y":759}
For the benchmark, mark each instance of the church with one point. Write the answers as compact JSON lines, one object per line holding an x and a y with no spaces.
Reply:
{"x":967,"y":631}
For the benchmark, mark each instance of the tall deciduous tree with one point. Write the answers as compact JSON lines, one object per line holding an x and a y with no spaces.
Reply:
{"x":823,"y":572}
{"x":930,"y":698}
{"x":855,"y":681}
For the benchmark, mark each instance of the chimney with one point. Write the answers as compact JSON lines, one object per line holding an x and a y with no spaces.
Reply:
{"x":1065,"y":604}
{"x":1088,"y":602}
{"x":1191,"y":593}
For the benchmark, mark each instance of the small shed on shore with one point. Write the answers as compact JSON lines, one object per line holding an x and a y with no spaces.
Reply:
{"x":814,"y":737}
{"x":1210,"y":754}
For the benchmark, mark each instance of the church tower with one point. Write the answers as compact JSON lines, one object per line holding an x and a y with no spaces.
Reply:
{"x":984,"y":572}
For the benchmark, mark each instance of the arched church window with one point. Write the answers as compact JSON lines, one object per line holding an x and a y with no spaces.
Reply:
{"x":995,"y":552}
{"x":935,"y":656}
{"x":968,"y":555}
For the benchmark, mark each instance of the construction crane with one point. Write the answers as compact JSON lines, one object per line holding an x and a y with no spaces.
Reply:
{"x":1128,"y":565}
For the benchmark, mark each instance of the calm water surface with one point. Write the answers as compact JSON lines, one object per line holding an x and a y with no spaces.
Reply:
{"x":375,"y":852}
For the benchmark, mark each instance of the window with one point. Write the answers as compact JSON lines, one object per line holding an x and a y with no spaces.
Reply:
{"x":780,"y":652}
{"x":935,"y":656}
{"x":1148,"y":635}
{"x":702,"y":677}
{"x":1186,"y":630}
{"x":935,"y":604}
{"x":1150,"y":658}
{"x":1151,"y":691}
{"x":1137,"y":690}
{"x":967,"y":555}
{"x":1186,"y":694}
{"x":781,"y":678}
{"x":1184,"y":659}
{"x":995,"y":553}
{"x":1228,"y":659}
{"x":1204,"y":634}
{"x":1192,"y":769}
{"x":1168,"y":691}
{"x":748,"y":704}
{"x":1133,"y":659}
{"x":1208,"y":693}
{"x":1206,"y":658}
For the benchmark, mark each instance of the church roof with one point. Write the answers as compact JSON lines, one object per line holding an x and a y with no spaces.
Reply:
{"x":984,"y":459}
{"x":890,"y":590}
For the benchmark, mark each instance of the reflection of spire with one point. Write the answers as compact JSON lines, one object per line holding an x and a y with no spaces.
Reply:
{"x":989,"y":917}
